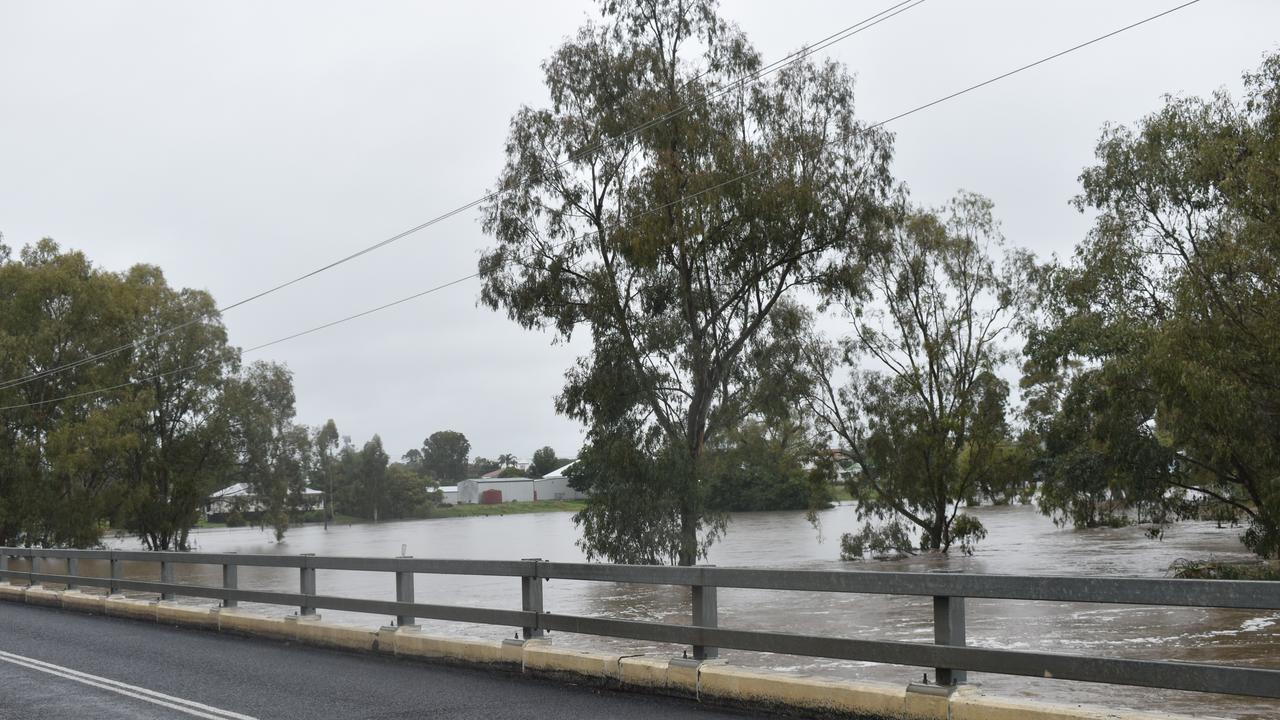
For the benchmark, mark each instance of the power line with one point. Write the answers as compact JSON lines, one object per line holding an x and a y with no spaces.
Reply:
{"x":1030,"y":65}
{"x":741,"y":82}
{"x":363,"y":313}
{"x":735,"y":179}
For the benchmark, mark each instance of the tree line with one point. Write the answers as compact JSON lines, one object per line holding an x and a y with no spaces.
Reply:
{"x":697,"y":253}
{"x":150,"y":411}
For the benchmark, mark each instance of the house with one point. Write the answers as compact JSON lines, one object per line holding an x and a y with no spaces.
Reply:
{"x":221,"y":503}
{"x":449,"y":494}
{"x":555,"y":486}
{"x":846,"y":468}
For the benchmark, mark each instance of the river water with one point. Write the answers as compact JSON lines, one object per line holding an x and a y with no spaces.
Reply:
{"x":1020,"y":541}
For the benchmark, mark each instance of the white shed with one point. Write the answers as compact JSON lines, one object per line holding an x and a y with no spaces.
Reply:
{"x":555,"y":486}
{"x":449,"y":494}
{"x":507,"y":489}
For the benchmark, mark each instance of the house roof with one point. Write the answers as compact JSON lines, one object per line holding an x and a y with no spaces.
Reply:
{"x":558,"y":472}
{"x":489,"y":480}
{"x":243,"y":490}
{"x":237,"y":490}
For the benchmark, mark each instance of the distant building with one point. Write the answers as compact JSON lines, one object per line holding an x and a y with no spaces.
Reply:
{"x":222,"y":502}
{"x":488,"y":490}
{"x":555,"y":486}
{"x":491,"y":489}
{"x":449,"y":494}
{"x":846,"y":468}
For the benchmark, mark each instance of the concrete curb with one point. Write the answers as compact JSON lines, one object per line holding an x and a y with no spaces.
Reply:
{"x":712,"y":681}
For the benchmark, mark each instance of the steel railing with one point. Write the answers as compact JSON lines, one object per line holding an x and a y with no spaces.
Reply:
{"x":948,"y":655}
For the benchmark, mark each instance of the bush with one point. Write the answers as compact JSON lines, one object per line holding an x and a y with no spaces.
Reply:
{"x":1212,"y":570}
{"x":879,"y":541}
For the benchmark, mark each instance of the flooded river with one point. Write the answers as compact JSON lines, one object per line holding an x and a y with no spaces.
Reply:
{"x":1019,"y":541}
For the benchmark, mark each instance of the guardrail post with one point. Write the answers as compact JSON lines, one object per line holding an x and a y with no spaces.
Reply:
{"x":531,"y":599}
{"x":307,"y":583}
{"x":948,"y":629}
{"x":166,"y":576}
{"x":405,"y":594}
{"x":706,"y":613}
{"x":230,"y":581}
{"x":114,"y":587}
{"x":33,"y":569}
{"x":4,"y":567}
{"x":73,"y":569}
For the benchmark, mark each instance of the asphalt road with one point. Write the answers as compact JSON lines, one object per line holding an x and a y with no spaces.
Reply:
{"x":61,"y":664}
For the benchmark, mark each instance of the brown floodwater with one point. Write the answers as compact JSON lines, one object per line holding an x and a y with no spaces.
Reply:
{"x":1020,"y":541}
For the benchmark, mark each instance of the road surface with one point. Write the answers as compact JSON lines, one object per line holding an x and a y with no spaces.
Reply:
{"x":61,"y":664}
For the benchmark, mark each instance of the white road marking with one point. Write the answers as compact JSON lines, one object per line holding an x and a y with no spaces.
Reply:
{"x":174,"y":703}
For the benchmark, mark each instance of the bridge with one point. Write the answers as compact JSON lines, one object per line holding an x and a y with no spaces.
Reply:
{"x":27,"y":574}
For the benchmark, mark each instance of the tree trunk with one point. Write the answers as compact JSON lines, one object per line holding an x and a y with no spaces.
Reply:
{"x":688,"y":535}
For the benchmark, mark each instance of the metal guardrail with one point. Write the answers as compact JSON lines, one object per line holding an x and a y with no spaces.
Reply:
{"x":948,"y":655}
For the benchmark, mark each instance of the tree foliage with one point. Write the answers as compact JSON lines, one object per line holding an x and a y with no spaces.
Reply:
{"x":444,"y":455}
{"x":924,"y":414}
{"x":272,"y":454}
{"x":672,"y":246}
{"x":768,"y":465}
{"x":140,"y":437}
{"x":1162,"y":336}
{"x":544,"y":461}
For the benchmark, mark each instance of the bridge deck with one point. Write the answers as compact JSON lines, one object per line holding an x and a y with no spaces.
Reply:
{"x":53,"y":661}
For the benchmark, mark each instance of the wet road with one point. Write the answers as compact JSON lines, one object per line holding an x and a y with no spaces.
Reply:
{"x":59,"y":664}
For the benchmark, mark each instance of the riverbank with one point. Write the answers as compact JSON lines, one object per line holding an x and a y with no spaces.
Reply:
{"x":510,"y":508}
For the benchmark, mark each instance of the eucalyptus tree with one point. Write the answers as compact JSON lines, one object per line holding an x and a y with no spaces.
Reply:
{"x":672,"y":245}
{"x":60,"y":462}
{"x":180,"y":364}
{"x":372,"y":466}
{"x":1166,"y":323}
{"x":325,"y":444}
{"x":924,"y":414}
{"x":273,"y":453}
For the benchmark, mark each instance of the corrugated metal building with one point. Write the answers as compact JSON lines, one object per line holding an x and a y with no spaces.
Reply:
{"x":555,"y":486}
{"x":511,"y":489}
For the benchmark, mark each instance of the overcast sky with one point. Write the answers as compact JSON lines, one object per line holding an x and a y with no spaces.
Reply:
{"x":238,"y":144}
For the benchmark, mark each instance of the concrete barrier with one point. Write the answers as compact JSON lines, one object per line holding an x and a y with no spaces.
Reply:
{"x":578,"y":665}
{"x":343,"y":637}
{"x":43,"y":596}
{"x":762,"y":687}
{"x":171,"y":613}
{"x":238,"y":622}
{"x":121,"y":606}
{"x":708,"y":681}
{"x":84,"y":602}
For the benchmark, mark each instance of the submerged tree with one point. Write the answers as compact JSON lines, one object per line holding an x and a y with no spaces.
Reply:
{"x":1168,"y":320}
{"x":61,"y":463}
{"x":273,"y":453}
{"x":924,"y":415}
{"x":672,"y":245}
{"x":179,"y":379}
{"x":325,"y":445}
